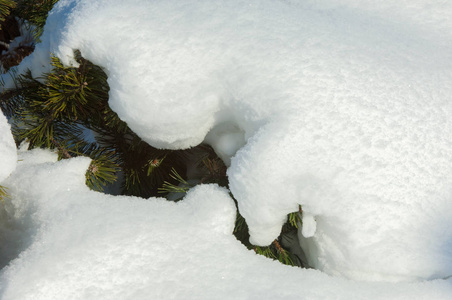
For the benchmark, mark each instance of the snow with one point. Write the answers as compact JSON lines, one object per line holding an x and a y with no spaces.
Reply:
{"x":8,"y":156}
{"x":309,"y":226}
{"x":81,"y":244}
{"x":341,"y":106}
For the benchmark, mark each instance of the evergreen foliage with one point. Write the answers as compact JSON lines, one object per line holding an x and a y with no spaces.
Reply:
{"x":16,"y":18}
{"x":5,"y":8}
{"x":294,"y":219}
{"x":70,"y":105}
{"x":182,"y":187}
{"x":34,"y":12}
{"x":275,"y":251}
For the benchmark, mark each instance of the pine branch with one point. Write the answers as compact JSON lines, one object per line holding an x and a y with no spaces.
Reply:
{"x":265,"y":251}
{"x":276,"y":252}
{"x":35,"y":12}
{"x":182,"y":185}
{"x":283,"y":254}
{"x":295,"y":218}
{"x":63,"y":150}
{"x":103,"y":169}
{"x":5,"y":8}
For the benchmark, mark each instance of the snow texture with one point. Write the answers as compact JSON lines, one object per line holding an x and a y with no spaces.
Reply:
{"x":8,"y":155}
{"x":342,"y":106}
{"x":81,"y":244}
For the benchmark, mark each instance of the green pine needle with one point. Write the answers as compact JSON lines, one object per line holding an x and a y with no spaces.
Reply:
{"x":295,"y":218}
{"x":35,"y":12}
{"x":265,"y":251}
{"x":5,"y":8}
{"x":275,"y":252}
{"x":102,"y":170}
{"x":169,"y":187}
{"x":240,"y":223}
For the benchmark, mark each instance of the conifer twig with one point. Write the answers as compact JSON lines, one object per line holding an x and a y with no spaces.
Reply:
{"x":60,"y":148}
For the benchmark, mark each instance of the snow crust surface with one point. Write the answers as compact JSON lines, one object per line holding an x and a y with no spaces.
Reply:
{"x":343,"y":107}
{"x":81,"y":244}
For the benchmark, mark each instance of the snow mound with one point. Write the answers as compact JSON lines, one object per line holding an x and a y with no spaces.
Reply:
{"x":343,"y":107}
{"x":88,"y":245}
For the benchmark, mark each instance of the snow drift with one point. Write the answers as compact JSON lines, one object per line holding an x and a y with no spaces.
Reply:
{"x":344,"y":108}
{"x":81,"y":244}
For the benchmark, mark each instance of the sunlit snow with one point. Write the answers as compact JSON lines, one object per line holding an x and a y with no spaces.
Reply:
{"x":80,"y":244}
{"x":343,"y":107}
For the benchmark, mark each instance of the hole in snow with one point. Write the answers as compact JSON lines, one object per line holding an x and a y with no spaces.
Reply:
{"x":226,"y":139}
